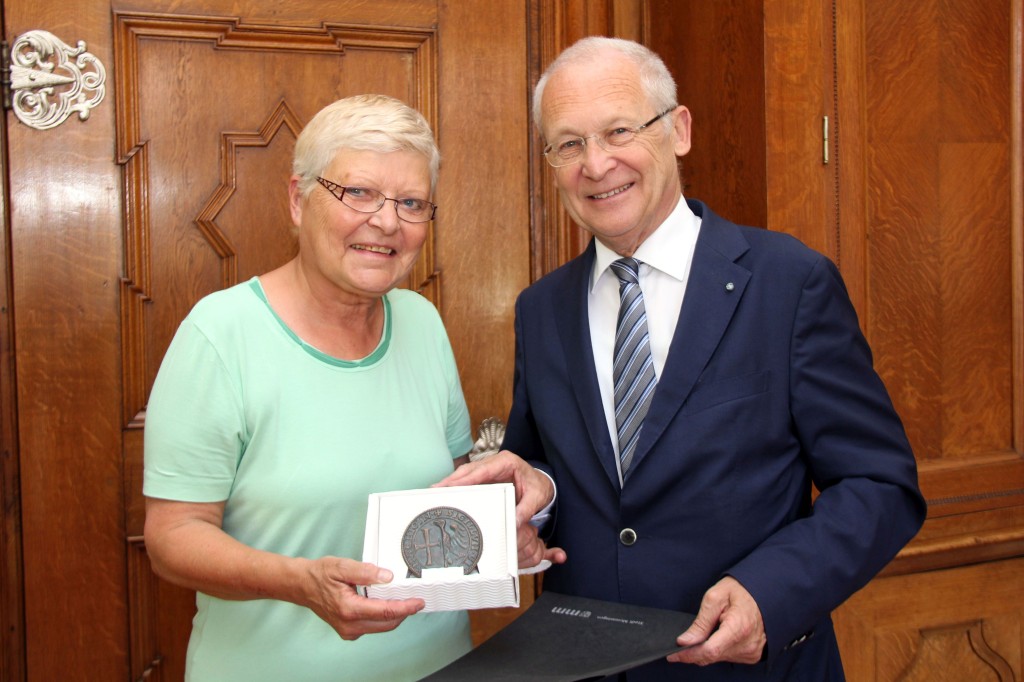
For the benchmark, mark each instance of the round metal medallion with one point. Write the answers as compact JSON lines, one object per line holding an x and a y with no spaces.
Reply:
{"x":442,"y":537}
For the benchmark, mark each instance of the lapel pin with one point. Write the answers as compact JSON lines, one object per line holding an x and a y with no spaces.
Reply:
{"x":730,"y":286}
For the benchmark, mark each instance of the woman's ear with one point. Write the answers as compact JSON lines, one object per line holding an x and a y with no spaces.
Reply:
{"x":295,"y":200}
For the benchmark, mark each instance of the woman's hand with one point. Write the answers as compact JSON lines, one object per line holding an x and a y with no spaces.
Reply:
{"x":334,"y":599}
{"x":188,"y":547}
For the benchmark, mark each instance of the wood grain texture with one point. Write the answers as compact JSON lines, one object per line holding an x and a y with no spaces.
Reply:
{"x":940,"y":286}
{"x":483,"y":235}
{"x":227,"y":220}
{"x":927,"y":228}
{"x":948,"y":625}
{"x":12,"y":603}
{"x":66,"y":258}
{"x":928,"y":157}
{"x":798,"y":71}
{"x":483,"y":244}
{"x":716,"y":52}
{"x":554,"y":25}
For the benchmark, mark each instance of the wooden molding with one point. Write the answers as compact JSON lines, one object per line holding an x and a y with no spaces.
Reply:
{"x":131,"y":31}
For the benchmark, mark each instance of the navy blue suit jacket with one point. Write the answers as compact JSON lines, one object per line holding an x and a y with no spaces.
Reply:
{"x":768,"y":388}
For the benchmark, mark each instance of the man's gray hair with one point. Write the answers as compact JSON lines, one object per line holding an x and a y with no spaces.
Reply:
{"x":655,"y":79}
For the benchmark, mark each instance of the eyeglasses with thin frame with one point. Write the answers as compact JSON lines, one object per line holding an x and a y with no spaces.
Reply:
{"x":366,"y":200}
{"x":569,"y":150}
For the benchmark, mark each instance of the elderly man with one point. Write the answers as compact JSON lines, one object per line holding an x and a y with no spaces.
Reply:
{"x":685,"y":382}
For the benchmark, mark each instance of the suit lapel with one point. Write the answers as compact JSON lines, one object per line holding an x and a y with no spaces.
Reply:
{"x":713,"y":291}
{"x":573,"y":322}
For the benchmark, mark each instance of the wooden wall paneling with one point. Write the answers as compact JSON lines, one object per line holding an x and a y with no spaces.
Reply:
{"x":224,"y":250}
{"x":952,"y":625}
{"x":65,"y":259}
{"x":553,"y":26}
{"x":799,"y":76}
{"x":630,"y":19}
{"x":12,"y":607}
{"x":483,"y":240}
{"x":483,"y":232}
{"x":169,"y":193}
{"x":159,"y":613}
{"x":940,"y":170}
{"x":1017,"y":216}
{"x":930,"y":178}
{"x":716,"y":52}
{"x":848,"y":145}
{"x":920,"y":204}
{"x":942,"y":235}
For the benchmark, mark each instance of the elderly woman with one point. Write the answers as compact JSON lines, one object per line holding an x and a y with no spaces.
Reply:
{"x":283,"y":401}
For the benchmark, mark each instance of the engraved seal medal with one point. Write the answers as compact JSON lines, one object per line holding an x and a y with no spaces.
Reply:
{"x":442,"y":537}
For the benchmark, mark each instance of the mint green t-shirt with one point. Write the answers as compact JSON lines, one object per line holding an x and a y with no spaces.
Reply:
{"x":294,"y":440}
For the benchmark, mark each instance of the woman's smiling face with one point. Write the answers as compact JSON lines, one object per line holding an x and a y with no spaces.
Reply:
{"x":364,"y":255}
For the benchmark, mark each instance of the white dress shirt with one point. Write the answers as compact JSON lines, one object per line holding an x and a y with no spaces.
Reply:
{"x":666,"y":256}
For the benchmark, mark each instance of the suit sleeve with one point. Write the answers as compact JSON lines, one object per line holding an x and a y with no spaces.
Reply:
{"x":521,"y":433}
{"x":859,"y":459}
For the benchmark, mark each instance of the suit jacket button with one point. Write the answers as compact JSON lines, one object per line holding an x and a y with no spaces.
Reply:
{"x":627,"y":536}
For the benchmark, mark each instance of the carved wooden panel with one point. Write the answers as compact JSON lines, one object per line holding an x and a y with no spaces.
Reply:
{"x":160,"y":620}
{"x":929,"y":114}
{"x":188,"y":234}
{"x":933,"y":179}
{"x":946,"y":626}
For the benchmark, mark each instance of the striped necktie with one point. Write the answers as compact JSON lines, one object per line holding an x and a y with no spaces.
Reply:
{"x":633,"y":366}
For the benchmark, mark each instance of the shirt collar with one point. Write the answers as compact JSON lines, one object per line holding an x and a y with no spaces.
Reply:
{"x":677,"y":235}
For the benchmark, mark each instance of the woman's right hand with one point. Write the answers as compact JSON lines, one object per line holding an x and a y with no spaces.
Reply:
{"x":333,"y":597}
{"x":187,"y":546}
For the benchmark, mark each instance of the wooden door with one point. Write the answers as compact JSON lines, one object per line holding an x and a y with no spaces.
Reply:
{"x":175,"y":186}
{"x":931,"y":189}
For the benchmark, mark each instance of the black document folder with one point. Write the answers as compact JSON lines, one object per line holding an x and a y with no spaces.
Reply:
{"x":562,"y":639}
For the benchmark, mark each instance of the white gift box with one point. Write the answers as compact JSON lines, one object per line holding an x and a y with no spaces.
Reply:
{"x":495,"y":583}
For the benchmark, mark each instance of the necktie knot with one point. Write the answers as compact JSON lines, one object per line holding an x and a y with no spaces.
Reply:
{"x":627,"y":270}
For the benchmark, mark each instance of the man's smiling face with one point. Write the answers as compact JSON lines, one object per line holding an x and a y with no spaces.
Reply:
{"x":621,"y":197}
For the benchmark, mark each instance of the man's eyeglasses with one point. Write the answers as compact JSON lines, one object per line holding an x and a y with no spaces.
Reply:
{"x":570,"y":150}
{"x":366,"y":200}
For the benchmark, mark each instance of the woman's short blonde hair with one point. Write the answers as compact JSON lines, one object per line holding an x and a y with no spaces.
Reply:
{"x":375,"y":123}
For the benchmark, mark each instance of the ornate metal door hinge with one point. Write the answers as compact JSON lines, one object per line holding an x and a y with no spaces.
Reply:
{"x":45,"y":80}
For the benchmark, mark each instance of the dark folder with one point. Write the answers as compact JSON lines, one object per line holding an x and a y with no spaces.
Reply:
{"x":562,"y":638}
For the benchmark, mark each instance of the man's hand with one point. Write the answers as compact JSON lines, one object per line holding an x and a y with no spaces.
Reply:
{"x":534,"y":491}
{"x":728,"y":627}
{"x":532,"y":549}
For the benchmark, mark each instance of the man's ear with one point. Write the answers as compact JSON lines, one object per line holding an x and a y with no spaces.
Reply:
{"x":681,"y":125}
